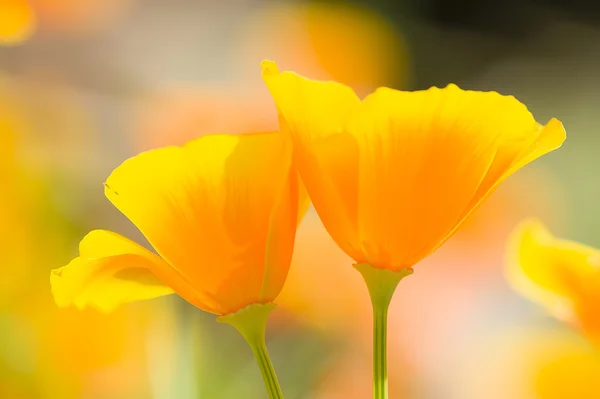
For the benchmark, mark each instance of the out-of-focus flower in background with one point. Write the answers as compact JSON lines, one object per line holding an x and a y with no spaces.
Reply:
{"x":17,"y":21}
{"x":19,"y":194}
{"x":563,"y":276}
{"x":351,"y":44}
{"x":20,"y":19}
{"x":320,"y":290}
{"x":179,"y":113}
{"x":527,"y":363}
{"x":79,"y":16}
{"x":47,"y":352}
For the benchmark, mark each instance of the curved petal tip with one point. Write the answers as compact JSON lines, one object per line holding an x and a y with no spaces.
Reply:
{"x":554,"y":131}
{"x":269,"y":68}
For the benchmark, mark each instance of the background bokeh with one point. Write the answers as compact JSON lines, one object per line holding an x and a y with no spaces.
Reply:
{"x":87,"y":83}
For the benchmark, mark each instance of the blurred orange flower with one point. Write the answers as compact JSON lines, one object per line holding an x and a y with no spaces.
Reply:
{"x":17,"y":21}
{"x":79,"y":16}
{"x":175,"y":115}
{"x":348,"y":43}
{"x":316,"y":267}
{"x":221,"y":212}
{"x":345,"y":42}
{"x":563,"y":276}
{"x":393,"y":176}
{"x":19,"y":18}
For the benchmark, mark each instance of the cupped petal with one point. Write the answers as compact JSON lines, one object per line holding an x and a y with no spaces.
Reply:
{"x":424,"y":158}
{"x":548,"y":138}
{"x":561,"y":275}
{"x":512,"y":156}
{"x":394,"y":176}
{"x":314,"y":114}
{"x":110,"y":270}
{"x":208,"y":210}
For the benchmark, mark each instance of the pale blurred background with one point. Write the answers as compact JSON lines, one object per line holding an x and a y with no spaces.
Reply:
{"x":96,"y":81}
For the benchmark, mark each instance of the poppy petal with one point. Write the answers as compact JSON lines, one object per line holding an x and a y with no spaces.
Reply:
{"x":314,"y":113}
{"x":207,"y":209}
{"x":110,"y":270}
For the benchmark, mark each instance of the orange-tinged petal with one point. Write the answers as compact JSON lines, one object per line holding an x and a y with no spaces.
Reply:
{"x":303,"y":200}
{"x":417,"y":175}
{"x":427,"y":159}
{"x":314,"y":113}
{"x":393,"y":176}
{"x":561,"y":275}
{"x":17,"y":21}
{"x":546,"y":139}
{"x":110,"y":270}
{"x":222,"y":211}
{"x":549,"y":138}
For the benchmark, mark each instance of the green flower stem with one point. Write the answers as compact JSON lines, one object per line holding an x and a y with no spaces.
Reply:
{"x":382,"y":285}
{"x":251,"y":322}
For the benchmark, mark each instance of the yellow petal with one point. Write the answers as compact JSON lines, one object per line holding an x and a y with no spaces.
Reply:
{"x":314,"y":114}
{"x":546,"y":139}
{"x":393,"y":177}
{"x":17,"y":21}
{"x":222,"y":211}
{"x":110,"y":270}
{"x":303,"y":200}
{"x":423,"y":156}
{"x":427,"y":159}
{"x":558,"y":274}
{"x":549,"y":138}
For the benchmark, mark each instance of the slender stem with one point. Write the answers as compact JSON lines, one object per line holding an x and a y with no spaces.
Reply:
{"x":382,"y":285}
{"x":251,"y":322}
{"x":380,"y":386}
{"x":266,"y":368}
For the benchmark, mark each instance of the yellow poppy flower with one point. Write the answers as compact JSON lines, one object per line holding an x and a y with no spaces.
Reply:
{"x":393,"y":176}
{"x":221,"y":212}
{"x":563,"y":276}
{"x":17,"y":21}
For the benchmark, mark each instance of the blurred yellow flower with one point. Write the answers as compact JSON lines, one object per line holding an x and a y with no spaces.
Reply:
{"x":32,"y":364}
{"x":17,"y":21}
{"x":394,"y":175}
{"x":16,"y":228}
{"x":563,"y":276}
{"x":527,"y":363}
{"x":221,"y":212}
{"x":572,"y":375}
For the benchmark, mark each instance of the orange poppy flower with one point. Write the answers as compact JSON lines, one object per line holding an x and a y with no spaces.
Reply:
{"x":221,"y":213}
{"x":394,"y":175}
{"x":560,"y":275}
